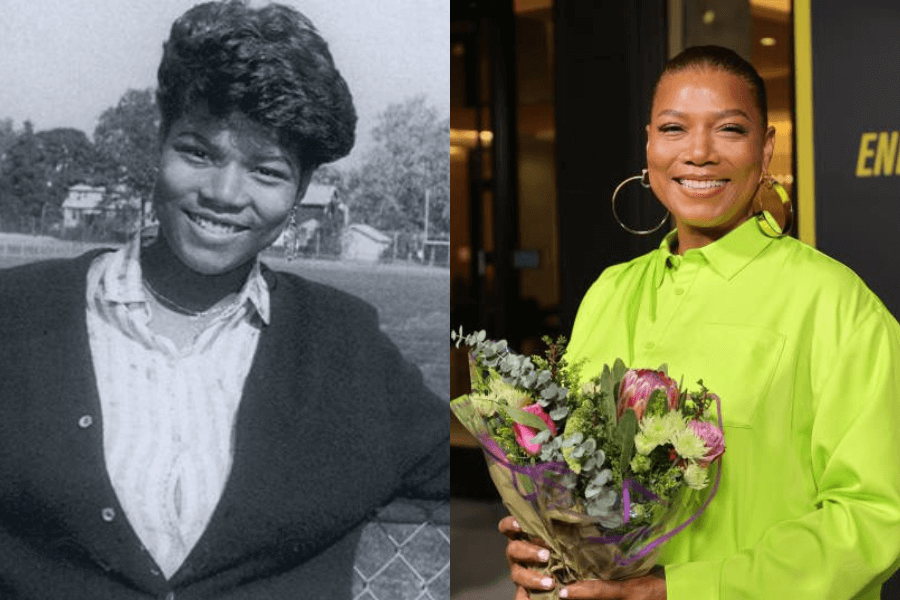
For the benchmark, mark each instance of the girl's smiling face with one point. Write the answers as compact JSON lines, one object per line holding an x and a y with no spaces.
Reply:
{"x":707,"y":150}
{"x":224,"y":191}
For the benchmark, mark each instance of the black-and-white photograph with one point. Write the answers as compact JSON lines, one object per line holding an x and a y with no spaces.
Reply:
{"x":224,"y":300}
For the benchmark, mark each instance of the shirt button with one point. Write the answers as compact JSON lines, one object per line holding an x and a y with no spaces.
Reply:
{"x":679,"y":291}
{"x":85,"y":421}
{"x":108,"y":514}
{"x":649,"y":345}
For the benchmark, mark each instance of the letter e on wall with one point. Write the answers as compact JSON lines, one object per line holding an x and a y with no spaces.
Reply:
{"x":865,"y":152}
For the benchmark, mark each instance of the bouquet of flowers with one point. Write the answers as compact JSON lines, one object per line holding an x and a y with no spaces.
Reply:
{"x":605,"y":470}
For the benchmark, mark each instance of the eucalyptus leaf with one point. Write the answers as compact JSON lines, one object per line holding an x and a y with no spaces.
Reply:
{"x":560,"y":413}
{"x":543,"y":378}
{"x":589,"y":445}
{"x":572,"y":440}
{"x":550,"y":391}
{"x":541,"y":438}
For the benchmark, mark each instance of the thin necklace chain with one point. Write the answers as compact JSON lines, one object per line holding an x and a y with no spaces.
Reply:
{"x":175,"y":307}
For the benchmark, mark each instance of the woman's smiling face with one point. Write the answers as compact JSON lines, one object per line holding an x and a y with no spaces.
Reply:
{"x":224,"y":191}
{"x":707,"y":149}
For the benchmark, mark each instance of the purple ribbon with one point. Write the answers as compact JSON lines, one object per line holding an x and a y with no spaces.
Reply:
{"x":537,"y":473}
{"x":540,"y":474}
{"x":666,"y":537}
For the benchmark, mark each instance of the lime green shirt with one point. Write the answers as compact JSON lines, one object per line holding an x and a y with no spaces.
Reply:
{"x":807,"y":362}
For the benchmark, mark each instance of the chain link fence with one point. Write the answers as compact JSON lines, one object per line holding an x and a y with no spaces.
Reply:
{"x":404,"y":553}
{"x":111,"y":224}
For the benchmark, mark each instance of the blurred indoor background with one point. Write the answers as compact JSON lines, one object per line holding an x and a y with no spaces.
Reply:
{"x":549,"y":100}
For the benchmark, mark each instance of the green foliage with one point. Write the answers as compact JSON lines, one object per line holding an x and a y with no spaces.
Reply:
{"x":409,"y":159}
{"x":628,"y":426}
{"x":127,"y":141}
{"x":599,"y":449}
{"x":37,"y":169}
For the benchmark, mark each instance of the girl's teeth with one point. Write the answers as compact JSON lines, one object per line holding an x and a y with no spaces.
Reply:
{"x":213,"y":226}
{"x":701,"y":185}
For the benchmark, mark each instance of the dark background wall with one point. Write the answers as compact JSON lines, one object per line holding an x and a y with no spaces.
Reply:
{"x":608,"y":56}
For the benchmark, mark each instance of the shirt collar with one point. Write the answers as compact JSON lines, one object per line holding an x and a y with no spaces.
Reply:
{"x":122,"y":281}
{"x":727,"y":256}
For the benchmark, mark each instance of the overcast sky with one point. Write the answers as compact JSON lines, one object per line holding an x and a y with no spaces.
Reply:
{"x":62,"y":62}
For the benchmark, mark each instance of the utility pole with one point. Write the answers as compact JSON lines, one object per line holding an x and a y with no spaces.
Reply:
{"x":425,"y":243}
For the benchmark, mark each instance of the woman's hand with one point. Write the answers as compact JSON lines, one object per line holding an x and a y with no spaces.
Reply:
{"x":522,"y":555}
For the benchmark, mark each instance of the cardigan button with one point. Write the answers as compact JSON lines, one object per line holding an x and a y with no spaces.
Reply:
{"x":85,"y":421}
{"x":108,"y":514}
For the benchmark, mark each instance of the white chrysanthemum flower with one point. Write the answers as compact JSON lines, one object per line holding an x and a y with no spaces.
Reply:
{"x":654,"y":429}
{"x":643,"y":444}
{"x":689,"y":445}
{"x":641,"y":463}
{"x":589,"y":387}
{"x":673,"y":424}
{"x":505,"y":393}
{"x":695,"y":476}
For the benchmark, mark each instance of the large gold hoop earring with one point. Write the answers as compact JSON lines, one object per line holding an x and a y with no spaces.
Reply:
{"x":645,"y":181}
{"x":766,"y":221}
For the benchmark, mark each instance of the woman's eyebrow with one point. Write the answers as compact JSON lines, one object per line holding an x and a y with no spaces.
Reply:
{"x":191,"y":135}
{"x":722,"y":114}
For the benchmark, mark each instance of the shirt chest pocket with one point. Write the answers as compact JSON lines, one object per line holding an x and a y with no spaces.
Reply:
{"x":737,"y":362}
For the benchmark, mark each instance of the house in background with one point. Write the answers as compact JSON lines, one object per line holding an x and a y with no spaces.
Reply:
{"x":320,"y":204}
{"x":363,"y":242}
{"x":86,"y":205}
{"x":81,"y":205}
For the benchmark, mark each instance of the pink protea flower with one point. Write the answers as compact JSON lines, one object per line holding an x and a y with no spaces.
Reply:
{"x":713,"y":438}
{"x":637,"y":386}
{"x":525,"y":433}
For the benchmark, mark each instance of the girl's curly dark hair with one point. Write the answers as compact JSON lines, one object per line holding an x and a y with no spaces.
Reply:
{"x":268,"y":64}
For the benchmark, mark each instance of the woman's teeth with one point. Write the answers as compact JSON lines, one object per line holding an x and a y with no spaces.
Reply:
{"x":213,"y":226}
{"x":702,"y":185}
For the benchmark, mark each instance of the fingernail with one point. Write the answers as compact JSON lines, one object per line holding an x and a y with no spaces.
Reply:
{"x":516,"y":525}
{"x":544,"y":555}
{"x":546,"y":583}
{"x":564,"y":593}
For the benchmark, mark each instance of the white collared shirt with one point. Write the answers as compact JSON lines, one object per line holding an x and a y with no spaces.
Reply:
{"x":168,"y":413}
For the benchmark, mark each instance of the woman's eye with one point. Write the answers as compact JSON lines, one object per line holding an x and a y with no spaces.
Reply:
{"x":670,"y":128}
{"x":193,"y":153}
{"x":734,"y":128}
{"x":270,"y":174}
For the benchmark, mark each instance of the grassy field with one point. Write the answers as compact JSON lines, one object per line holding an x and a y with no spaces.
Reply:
{"x":413,"y":301}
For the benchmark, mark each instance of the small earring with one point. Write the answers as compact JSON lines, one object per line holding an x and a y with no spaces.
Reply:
{"x":644,"y":178}
{"x":291,"y":239}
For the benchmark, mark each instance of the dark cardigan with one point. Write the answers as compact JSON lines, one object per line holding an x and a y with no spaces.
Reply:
{"x":333,"y":423}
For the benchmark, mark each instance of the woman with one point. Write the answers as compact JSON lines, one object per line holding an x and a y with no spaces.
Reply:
{"x":177,"y":420}
{"x":803,"y":355}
